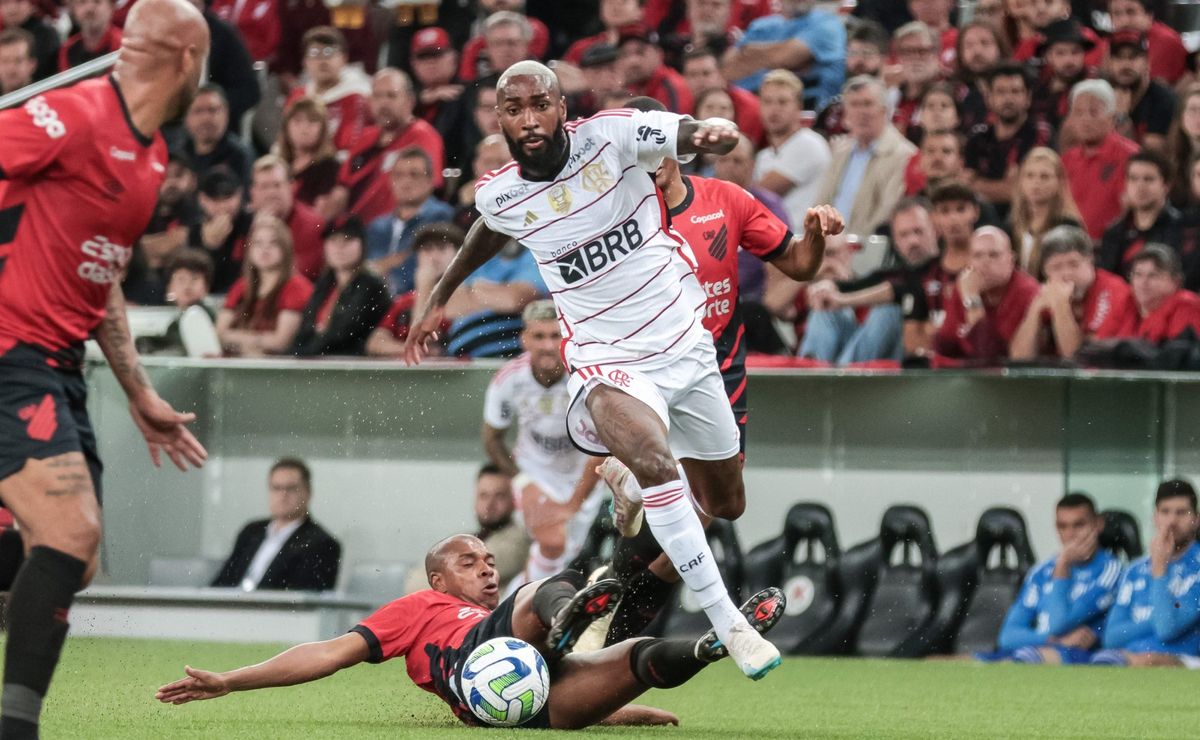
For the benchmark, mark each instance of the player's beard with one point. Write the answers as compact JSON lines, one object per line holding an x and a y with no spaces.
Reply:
{"x":545,"y":163}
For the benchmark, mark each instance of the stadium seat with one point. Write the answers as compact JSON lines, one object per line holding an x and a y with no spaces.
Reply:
{"x":1121,"y":534}
{"x":905,"y":594}
{"x":377,"y":581}
{"x":979,"y":581}
{"x":683,"y":617}
{"x":804,"y":562}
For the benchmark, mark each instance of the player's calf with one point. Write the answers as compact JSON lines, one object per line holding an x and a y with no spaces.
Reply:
{"x":717,"y":486}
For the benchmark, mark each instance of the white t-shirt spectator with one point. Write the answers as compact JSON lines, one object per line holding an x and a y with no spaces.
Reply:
{"x":803,"y":159}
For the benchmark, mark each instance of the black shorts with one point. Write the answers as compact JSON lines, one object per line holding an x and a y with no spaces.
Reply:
{"x":731,"y":359}
{"x":43,"y":413}
{"x":445,"y":665}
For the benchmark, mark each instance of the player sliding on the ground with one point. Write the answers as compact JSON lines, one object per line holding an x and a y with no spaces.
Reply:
{"x":644,"y":380}
{"x":81,"y":169}
{"x":435,"y":631}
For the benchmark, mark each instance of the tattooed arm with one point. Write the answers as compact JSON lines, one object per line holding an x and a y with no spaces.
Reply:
{"x":162,"y":426}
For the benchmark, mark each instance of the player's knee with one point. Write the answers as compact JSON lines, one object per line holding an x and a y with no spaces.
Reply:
{"x":77,"y":535}
{"x":654,"y":468}
{"x":730,"y":506}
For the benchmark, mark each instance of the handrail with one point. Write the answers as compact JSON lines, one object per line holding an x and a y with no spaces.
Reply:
{"x":62,"y":79}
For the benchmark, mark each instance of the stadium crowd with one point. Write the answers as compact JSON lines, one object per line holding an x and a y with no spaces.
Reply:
{"x":1031,"y":169}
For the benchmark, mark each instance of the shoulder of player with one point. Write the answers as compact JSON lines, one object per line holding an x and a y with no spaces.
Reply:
{"x":511,"y":370}
{"x":603,"y":119}
{"x":495,"y":180}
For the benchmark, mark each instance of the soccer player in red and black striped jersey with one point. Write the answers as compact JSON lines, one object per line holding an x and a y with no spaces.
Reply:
{"x":80,"y":170}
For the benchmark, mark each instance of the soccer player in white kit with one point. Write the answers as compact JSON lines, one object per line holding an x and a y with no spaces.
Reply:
{"x":644,"y":380}
{"x":557,"y":495}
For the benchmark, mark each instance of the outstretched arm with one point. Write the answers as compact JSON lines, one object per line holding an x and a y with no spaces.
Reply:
{"x":480,"y":245}
{"x":802,"y":257}
{"x":710,"y":136}
{"x":300,"y":664}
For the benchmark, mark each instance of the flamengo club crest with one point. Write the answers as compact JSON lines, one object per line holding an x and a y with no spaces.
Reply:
{"x":596,"y":178}
{"x":560,"y":198}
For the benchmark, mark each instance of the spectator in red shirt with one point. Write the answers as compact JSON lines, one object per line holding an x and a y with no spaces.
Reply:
{"x":644,"y":73}
{"x":1149,"y":218}
{"x":916,"y":47}
{"x":1168,"y":55}
{"x":262,"y":310}
{"x":435,"y":245}
{"x":342,"y":89}
{"x":614,"y":15}
{"x":18,"y":60}
{"x":1062,"y":48}
{"x":271,"y":192}
{"x":987,"y":302}
{"x":1077,"y":302}
{"x":1164,"y":309}
{"x":1096,"y":166}
{"x":1042,"y":14}
{"x":258,"y":21}
{"x":938,"y":161}
{"x":306,"y":147}
{"x":702,"y":70}
{"x":363,"y":187}
{"x":97,"y":35}
{"x":508,"y":37}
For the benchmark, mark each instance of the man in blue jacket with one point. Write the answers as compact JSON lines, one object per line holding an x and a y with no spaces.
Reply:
{"x":1156,"y":617}
{"x":1059,"y":615}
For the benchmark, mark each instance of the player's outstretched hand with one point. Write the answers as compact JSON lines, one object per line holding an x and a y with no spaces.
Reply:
{"x":198,"y":685}
{"x":416,"y":347}
{"x":824,"y":220}
{"x":712,"y":133}
{"x":165,"y":432}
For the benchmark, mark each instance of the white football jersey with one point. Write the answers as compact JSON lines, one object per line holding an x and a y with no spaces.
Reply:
{"x":543,"y":450}
{"x":622,"y":281}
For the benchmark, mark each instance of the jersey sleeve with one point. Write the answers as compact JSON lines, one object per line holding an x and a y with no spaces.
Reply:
{"x":1065,"y":613}
{"x":1176,"y":610}
{"x":763,"y":234}
{"x":497,"y":402}
{"x":39,"y":133}
{"x":295,"y":294}
{"x":1119,"y":628}
{"x":1020,"y":624}
{"x":647,"y":137}
{"x":390,"y":631}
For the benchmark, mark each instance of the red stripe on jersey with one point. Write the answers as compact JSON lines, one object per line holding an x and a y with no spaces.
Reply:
{"x":643,"y":326}
{"x":733,"y":397}
{"x":662,"y":351}
{"x":631,"y":295}
{"x":514,"y":204}
{"x":585,"y":242}
{"x":614,"y":113}
{"x":491,"y":174}
{"x":733,"y":352}
{"x":599,"y":198}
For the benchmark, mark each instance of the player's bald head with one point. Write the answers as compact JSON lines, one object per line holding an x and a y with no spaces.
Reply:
{"x":446,"y":550}
{"x":528,"y":74}
{"x":157,"y":30}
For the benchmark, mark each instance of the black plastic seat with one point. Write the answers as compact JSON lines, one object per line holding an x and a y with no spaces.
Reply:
{"x":905,"y":595}
{"x":683,"y":617}
{"x":1121,"y":534}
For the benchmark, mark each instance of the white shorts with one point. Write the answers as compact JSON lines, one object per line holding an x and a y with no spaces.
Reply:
{"x":688,"y":395}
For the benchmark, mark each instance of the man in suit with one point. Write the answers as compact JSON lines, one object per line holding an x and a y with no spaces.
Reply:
{"x":289,"y":551}
{"x":865,"y":178}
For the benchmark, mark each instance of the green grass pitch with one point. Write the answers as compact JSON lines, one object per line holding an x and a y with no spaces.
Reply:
{"x":104,"y":688}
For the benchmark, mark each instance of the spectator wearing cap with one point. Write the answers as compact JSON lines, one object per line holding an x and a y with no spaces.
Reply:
{"x":614,"y":15}
{"x":811,"y":42}
{"x":980,"y":47}
{"x":348,"y":300}
{"x":1042,"y":15}
{"x":261,"y":313}
{"x":342,"y":88}
{"x":485,"y":313}
{"x":145,"y":280}
{"x":995,"y":149}
{"x":1146,"y":107}
{"x":1164,"y":309}
{"x":915,"y":45}
{"x":389,"y":237}
{"x":491,"y":153}
{"x":21,"y":14}
{"x":363,"y":185}
{"x":795,"y":158}
{"x":97,"y":35}
{"x":18,"y":59}
{"x":209,"y":142}
{"x":435,"y":246}
{"x":1149,"y":216}
{"x":271,"y":192}
{"x":224,"y":222}
{"x":306,"y":146}
{"x":644,"y":73}
{"x":1077,"y":302}
{"x":1063,"y":47}
{"x":508,"y":37}
{"x":865,"y":177}
{"x":257,"y":21}
{"x":987,"y":302}
{"x":702,"y":70}
{"x":1096,"y":165}
{"x":867,"y":48}
{"x":1168,"y":55}
{"x":440,"y":101}
{"x":601,"y":78}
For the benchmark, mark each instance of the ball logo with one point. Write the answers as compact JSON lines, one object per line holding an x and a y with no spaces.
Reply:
{"x":45,"y":117}
{"x":800,"y":592}
{"x":620,"y":377}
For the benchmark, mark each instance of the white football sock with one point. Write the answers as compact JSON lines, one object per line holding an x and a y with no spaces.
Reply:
{"x":675,"y":525}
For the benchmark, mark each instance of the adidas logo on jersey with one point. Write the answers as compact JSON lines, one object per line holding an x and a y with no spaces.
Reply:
{"x":530,"y":217}
{"x":598,"y":253}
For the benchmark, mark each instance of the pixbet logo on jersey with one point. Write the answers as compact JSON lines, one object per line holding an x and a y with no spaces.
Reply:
{"x":110,"y":260}
{"x":598,"y":253}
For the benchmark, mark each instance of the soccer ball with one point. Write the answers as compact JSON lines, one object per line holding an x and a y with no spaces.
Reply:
{"x":505,"y":682}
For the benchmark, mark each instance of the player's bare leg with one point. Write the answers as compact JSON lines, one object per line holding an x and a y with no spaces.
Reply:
{"x":637,"y":437}
{"x":55,"y":505}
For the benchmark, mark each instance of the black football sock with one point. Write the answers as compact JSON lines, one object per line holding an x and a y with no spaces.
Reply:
{"x":665,"y":664}
{"x":12,"y":554}
{"x":644,"y":599}
{"x":37,"y":627}
{"x":632,"y":555}
{"x":555,"y":592}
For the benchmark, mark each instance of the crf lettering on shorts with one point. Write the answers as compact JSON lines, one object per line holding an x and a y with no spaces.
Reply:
{"x":600,"y":252}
